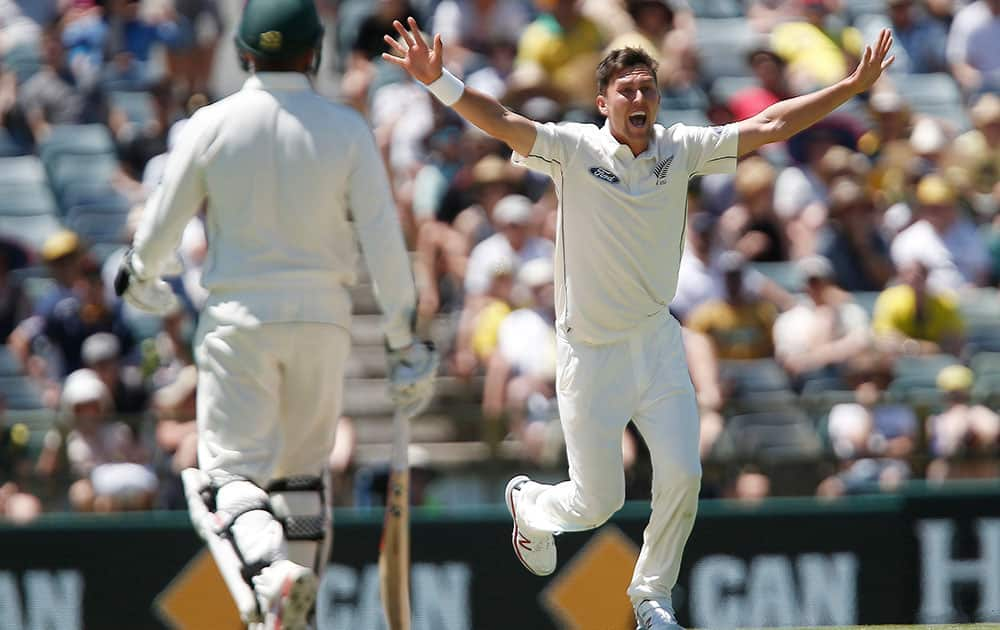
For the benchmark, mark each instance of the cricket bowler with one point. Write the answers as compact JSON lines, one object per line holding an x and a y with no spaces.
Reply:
{"x":622,"y":216}
{"x":286,"y":179}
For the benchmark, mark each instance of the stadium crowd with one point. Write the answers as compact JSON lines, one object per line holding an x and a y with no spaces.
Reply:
{"x":838,"y":294}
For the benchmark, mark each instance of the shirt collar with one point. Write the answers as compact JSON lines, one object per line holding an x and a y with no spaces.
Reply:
{"x":622,"y":151}
{"x":277,"y":81}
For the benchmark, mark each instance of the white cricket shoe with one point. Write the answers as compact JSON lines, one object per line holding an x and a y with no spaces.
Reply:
{"x":534,"y":548}
{"x":652,"y":615}
{"x":287,"y":592}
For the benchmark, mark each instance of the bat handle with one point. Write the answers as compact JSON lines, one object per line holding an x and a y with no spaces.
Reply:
{"x":400,"y":441}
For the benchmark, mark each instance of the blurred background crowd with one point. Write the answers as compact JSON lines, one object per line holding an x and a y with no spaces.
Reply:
{"x":838,"y":294}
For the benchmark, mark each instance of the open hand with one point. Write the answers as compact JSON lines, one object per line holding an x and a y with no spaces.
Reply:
{"x":873,"y":62}
{"x":424,"y":64}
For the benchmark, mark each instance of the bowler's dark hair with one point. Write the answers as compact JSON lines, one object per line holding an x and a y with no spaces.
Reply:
{"x":619,"y":60}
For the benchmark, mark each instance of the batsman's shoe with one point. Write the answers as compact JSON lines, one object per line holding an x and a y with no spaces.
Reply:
{"x":652,"y":615}
{"x":287,"y":592}
{"x":535,"y":549}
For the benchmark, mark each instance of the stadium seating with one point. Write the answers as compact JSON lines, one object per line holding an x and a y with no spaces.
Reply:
{"x":722,"y":46}
{"x":787,"y":434}
{"x":20,"y":393}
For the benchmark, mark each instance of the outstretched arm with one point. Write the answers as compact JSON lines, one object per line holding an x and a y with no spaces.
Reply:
{"x":425,"y":65}
{"x":783,"y":120}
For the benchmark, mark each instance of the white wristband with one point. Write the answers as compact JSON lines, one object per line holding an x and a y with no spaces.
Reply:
{"x":447,"y":88}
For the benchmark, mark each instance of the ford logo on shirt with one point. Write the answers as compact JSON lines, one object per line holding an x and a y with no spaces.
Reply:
{"x":605,"y":174}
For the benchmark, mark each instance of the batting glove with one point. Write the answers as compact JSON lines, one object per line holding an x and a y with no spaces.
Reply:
{"x":411,"y":376}
{"x":152,"y":295}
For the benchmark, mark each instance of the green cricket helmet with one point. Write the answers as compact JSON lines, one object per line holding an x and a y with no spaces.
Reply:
{"x":277,"y":30}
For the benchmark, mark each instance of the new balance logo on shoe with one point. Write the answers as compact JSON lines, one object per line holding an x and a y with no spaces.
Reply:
{"x":523,"y":542}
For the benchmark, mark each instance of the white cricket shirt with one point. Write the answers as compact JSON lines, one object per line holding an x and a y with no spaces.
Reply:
{"x":288,"y":178}
{"x":621,"y":219}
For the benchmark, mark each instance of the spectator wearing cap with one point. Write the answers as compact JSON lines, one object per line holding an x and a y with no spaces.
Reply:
{"x":61,"y":254}
{"x":955,"y":252}
{"x":513,"y":217}
{"x":701,"y":278}
{"x":492,"y":315}
{"x":852,"y":242}
{"x":101,"y":453}
{"x":769,"y":69}
{"x":825,"y":329}
{"x":739,"y":325}
{"x":524,"y":364}
{"x":973,"y":48}
{"x":444,"y":243}
{"x":476,"y":338}
{"x":891,"y":127}
{"x":911,"y":318}
{"x":870,"y":437}
{"x":962,"y":430}
{"x":871,"y":424}
{"x":922,"y":39}
{"x":67,"y":321}
{"x":101,"y":352}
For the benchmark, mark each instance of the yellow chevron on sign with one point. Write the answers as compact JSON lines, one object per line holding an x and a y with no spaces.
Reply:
{"x":197,"y":599}
{"x":589,"y":593}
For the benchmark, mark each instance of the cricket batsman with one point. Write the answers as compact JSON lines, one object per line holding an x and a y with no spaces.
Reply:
{"x":286,"y":179}
{"x":622,"y":216}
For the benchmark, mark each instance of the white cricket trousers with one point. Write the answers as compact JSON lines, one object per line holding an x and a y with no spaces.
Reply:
{"x":269,"y":397}
{"x":600,"y":387}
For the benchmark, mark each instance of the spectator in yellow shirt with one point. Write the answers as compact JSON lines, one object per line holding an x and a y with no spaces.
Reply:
{"x":497,"y":308}
{"x":559,"y":40}
{"x":739,"y":325}
{"x":910,"y":319}
{"x":818,"y":52}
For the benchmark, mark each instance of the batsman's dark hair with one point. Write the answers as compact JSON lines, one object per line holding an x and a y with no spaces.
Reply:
{"x":619,"y":60}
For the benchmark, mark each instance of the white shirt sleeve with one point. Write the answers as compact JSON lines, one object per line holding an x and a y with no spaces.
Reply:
{"x":554,"y":145}
{"x":377,"y":226}
{"x":178,"y":198}
{"x":710,"y":149}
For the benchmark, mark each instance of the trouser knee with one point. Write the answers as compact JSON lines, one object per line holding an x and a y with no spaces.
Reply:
{"x":684,"y":477}
{"x":597,"y":507}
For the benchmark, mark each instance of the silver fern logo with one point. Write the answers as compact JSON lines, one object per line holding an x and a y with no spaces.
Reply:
{"x":660,"y":171}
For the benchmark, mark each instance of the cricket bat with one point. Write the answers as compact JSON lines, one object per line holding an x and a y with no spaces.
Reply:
{"x":394,"y":550}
